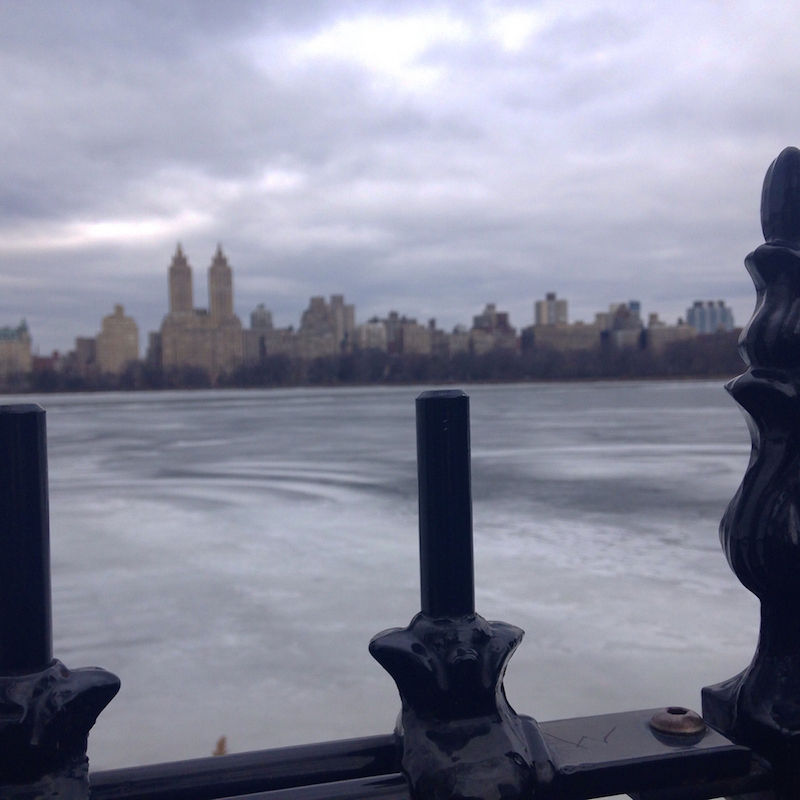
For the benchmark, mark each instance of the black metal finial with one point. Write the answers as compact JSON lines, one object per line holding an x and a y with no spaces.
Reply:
{"x":26,"y":639}
{"x":760,"y":531}
{"x":780,"y":200}
{"x":447,"y":583}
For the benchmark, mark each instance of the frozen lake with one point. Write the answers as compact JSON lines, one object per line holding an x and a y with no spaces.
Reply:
{"x":229,"y":554}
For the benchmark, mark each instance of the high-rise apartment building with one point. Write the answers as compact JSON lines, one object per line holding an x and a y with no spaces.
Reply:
{"x":84,"y":356}
{"x":659,"y":334}
{"x":405,"y":336}
{"x":117,"y":343}
{"x":550,"y":311}
{"x":491,"y":330}
{"x":15,"y":350}
{"x":258,"y":338}
{"x":371,"y":336}
{"x":622,"y":324}
{"x":326,"y":329}
{"x":710,"y":317}
{"x":261,"y":318}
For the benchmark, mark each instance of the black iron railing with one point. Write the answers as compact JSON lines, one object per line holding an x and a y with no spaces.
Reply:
{"x":457,"y":736}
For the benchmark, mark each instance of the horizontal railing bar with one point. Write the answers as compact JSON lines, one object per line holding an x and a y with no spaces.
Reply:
{"x":618,"y":753}
{"x":385,"y":787}
{"x":759,"y":779}
{"x":594,"y":756}
{"x":246,"y":773}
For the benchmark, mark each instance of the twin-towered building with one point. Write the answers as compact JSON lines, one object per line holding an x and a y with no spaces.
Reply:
{"x":208,"y":339}
{"x":214,"y":340}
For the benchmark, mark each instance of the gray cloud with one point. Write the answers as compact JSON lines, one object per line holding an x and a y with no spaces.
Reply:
{"x":616,"y":151}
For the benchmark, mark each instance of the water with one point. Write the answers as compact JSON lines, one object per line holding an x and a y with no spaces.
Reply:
{"x":230,"y":554}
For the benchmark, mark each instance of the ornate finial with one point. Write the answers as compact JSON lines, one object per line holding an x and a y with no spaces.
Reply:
{"x":760,"y":531}
{"x":780,"y":200}
{"x":771,"y":340}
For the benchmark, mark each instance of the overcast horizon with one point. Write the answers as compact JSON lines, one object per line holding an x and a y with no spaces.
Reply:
{"x":425,"y":157}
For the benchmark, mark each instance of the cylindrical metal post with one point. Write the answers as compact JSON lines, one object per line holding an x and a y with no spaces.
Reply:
{"x":26,"y":637}
{"x":445,"y":504}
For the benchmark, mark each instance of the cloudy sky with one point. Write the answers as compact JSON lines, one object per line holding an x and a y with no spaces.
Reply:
{"x":427,"y":157}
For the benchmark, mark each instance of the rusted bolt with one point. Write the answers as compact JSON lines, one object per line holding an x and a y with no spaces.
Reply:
{"x":677,"y":721}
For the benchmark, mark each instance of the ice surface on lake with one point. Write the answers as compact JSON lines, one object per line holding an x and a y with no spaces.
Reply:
{"x":230,"y":554}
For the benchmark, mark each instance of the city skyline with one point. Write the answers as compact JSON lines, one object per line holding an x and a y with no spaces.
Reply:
{"x":210,"y":345}
{"x":428,"y":156}
{"x":182,"y":296}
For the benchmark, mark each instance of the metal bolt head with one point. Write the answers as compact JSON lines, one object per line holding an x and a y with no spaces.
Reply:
{"x":677,"y":721}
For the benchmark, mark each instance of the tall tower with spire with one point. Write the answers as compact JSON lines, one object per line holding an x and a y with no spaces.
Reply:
{"x":180,"y":284}
{"x":220,"y":288}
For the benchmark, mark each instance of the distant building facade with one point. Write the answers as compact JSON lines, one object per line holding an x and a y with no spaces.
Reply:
{"x":414,"y":339}
{"x":256,"y":337}
{"x":263,"y":340}
{"x":261,"y":319}
{"x":659,"y":334}
{"x":83,"y":359}
{"x":710,"y":316}
{"x":622,"y":324}
{"x":117,"y":343}
{"x":491,"y":330}
{"x":565,"y":337}
{"x":153,"y":354}
{"x":401,"y":335}
{"x":326,"y":329}
{"x":210,"y":339}
{"x":15,"y":350}
{"x":440,"y":341}
{"x":551,"y":328}
{"x":458,"y":340}
{"x":550,"y":311}
{"x":405,"y":336}
{"x":371,"y":336}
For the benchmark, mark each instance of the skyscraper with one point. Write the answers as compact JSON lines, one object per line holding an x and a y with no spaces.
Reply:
{"x":550,"y":311}
{"x":180,"y":284}
{"x":118,"y":342}
{"x":15,"y":350}
{"x":710,"y":317}
{"x":220,"y":287}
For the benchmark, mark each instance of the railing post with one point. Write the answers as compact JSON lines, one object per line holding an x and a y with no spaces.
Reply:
{"x":447,"y":580}
{"x":459,"y":735}
{"x":760,"y":531}
{"x":46,"y":710}
{"x":26,"y":637}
